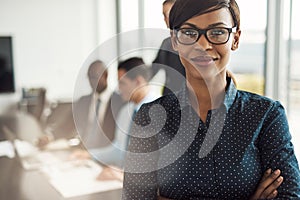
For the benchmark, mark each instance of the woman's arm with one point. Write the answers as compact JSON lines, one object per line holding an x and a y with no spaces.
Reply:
{"x":277,"y":151}
{"x":267,"y":187}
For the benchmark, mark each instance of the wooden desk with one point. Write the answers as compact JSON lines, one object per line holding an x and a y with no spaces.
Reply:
{"x":19,"y":184}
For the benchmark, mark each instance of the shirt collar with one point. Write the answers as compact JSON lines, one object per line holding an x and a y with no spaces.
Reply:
{"x":104,"y":95}
{"x":230,"y":95}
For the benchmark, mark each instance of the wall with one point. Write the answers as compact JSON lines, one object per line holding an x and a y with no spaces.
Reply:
{"x":51,"y":40}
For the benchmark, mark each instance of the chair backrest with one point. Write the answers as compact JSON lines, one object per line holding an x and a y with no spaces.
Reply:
{"x":34,"y":100}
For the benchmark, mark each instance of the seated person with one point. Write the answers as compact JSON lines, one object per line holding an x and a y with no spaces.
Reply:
{"x":83,"y":114}
{"x":133,"y":77}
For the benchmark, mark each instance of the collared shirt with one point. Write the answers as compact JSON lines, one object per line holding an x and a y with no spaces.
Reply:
{"x":103,"y":97}
{"x":176,"y":154}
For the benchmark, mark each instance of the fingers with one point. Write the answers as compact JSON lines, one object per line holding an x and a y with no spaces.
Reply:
{"x":273,"y":195}
{"x":270,"y":190}
{"x":266,"y":174}
{"x":265,"y":183}
{"x":268,"y":185}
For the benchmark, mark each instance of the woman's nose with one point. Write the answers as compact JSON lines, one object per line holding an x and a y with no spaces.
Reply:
{"x":203,"y":43}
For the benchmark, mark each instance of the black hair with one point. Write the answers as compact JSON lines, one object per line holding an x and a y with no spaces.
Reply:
{"x":135,"y":67}
{"x":183,"y":10}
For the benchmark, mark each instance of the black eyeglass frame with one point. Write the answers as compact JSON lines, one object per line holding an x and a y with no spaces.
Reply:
{"x":204,"y":32}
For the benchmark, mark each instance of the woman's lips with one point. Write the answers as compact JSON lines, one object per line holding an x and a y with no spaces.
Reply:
{"x":203,"y":60}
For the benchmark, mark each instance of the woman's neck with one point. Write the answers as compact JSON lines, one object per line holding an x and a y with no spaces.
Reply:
{"x":206,"y":94}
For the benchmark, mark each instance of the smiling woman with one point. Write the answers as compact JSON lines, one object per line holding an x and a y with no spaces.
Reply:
{"x":216,"y":142}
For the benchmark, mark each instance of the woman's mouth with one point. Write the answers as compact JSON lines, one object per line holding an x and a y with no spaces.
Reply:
{"x":203,"y":60}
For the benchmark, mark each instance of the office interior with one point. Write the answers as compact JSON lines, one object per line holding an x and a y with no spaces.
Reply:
{"x":54,"y":41}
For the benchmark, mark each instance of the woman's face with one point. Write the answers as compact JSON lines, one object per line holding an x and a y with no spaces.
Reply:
{"x":202,"y":59}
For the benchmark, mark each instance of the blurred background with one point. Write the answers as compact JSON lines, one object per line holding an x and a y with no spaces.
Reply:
{"x":44,"y":44}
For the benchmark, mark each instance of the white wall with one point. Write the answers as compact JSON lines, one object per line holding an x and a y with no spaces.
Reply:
{"x":51,"y":40}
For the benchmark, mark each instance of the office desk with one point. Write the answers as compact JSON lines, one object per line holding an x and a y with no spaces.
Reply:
{"x":19,"y":184}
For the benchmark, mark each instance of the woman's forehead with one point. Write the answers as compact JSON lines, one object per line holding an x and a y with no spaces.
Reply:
{"x":186,"y":9}
{"x":220,"y":16}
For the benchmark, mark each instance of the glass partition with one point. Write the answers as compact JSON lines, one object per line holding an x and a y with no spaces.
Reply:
{"x":248,"y":62}
{"x":294,"y":77}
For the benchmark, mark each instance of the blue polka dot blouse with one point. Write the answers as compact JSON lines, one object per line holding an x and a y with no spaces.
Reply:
{"x":172,"y":153}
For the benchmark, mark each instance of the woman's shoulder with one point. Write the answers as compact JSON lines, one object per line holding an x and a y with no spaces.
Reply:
{"x":168,"y":103}
{"x":254,"y":99}
{"x":165,"y":100}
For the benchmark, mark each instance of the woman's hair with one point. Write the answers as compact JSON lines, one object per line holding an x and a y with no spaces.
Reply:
{"x":183,"y":10}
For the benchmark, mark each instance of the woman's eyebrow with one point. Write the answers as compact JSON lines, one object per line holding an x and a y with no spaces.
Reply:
{"x":209,"y":26}
{"x":216,"y":24}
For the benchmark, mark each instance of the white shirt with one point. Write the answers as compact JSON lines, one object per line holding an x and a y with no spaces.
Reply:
{"x":104,"y":98}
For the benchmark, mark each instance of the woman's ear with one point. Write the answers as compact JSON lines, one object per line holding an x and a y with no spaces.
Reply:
{"x":236,"y":40}
{"x":174,"y":41}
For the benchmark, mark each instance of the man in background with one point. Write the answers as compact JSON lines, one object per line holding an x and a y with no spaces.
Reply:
{"x":133,"y":77}
{"x":93,"y":115}
{"x":167,"y":58}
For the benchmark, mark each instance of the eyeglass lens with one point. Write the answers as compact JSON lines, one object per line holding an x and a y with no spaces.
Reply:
{"x":214,"y":35}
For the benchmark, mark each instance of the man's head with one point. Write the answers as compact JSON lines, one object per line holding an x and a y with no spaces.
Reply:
{"x":97,"y":75}
{"x":167,"y":5}
{"x":133,"y":77}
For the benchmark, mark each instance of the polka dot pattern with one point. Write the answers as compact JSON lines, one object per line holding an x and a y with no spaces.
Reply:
{"x":255,"y":137}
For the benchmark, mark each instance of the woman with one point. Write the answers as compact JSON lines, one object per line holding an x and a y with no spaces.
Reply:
{"x":210,"y":140}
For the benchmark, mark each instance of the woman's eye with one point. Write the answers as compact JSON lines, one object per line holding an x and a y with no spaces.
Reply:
{"x":217,"y":32}
{"x":190,"y":33}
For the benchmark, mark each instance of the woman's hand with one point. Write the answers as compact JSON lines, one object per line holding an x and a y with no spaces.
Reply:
{"x":267,"y":187}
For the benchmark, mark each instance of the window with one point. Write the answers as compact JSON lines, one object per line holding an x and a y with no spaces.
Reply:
{"x":294,"y":76}
{"x":248,"y":61}
{"x":129,"y":15}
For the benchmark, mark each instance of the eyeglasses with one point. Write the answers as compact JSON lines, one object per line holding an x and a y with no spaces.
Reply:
{"x":215,"y":35}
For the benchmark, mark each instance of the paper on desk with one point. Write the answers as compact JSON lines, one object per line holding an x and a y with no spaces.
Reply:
{"x":7,"y":149}
{"x":78,"y":178}
{"x":58,"y":144}
{"x":25,"y":148}
{"x":32,"y":158}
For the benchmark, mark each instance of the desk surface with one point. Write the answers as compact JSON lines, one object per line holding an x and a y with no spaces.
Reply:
{"x":19,"y":184}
